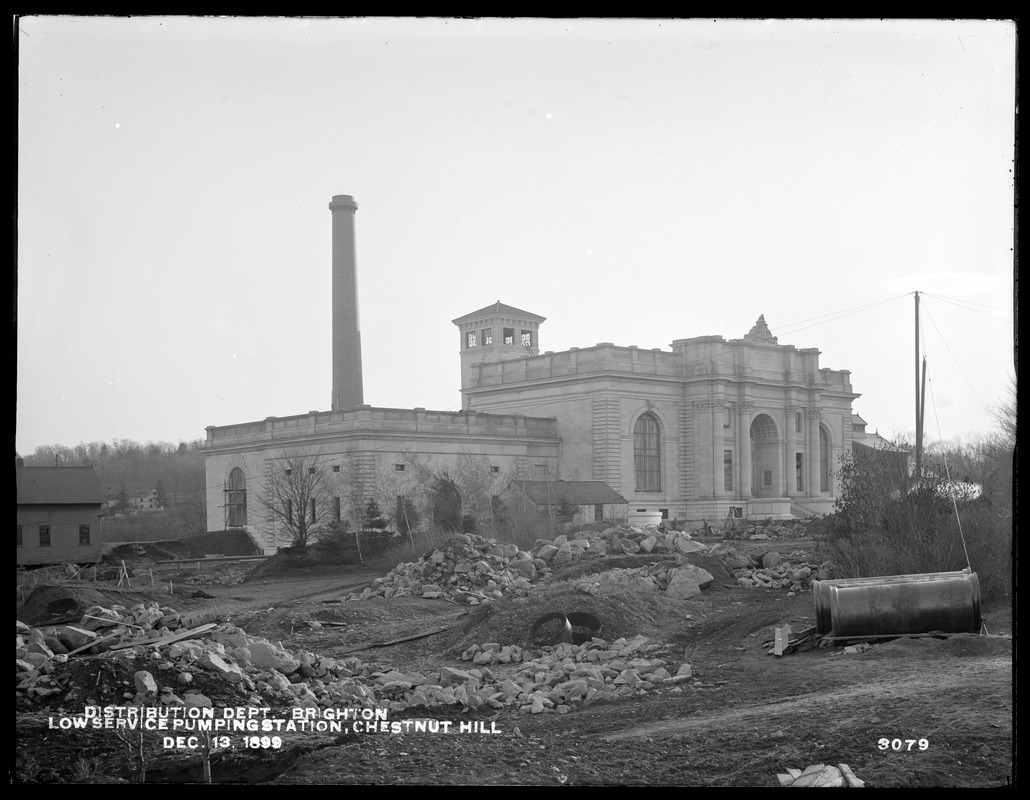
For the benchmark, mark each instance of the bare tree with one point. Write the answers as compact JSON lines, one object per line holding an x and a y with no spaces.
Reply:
{"x":297,"y":490}
{"x":477,"y":484}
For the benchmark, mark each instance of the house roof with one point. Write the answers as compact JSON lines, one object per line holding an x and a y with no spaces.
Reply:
{"x":580,"y":492}
{"x":58,"y":485}
{"x":499,"y":308}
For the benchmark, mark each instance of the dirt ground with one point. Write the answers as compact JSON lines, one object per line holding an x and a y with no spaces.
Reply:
{"x":747,"y":717}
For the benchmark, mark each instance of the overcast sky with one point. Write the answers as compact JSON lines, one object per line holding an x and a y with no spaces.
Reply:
{"x":633,"y":182}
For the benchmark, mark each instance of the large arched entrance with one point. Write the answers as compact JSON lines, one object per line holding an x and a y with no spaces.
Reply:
{"x":765,"y":466}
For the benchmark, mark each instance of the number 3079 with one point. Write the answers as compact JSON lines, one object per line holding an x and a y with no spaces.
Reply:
{"x":903,"y":744}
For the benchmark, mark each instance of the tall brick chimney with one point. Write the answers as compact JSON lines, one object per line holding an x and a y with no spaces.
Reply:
{"x":347,"y":387}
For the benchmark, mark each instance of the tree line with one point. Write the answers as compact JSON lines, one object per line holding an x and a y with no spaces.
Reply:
{"x":132,"y":468}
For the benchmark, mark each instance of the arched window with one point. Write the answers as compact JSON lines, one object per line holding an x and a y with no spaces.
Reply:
{"x":647,"y":454}
{"x":824,"y":461}
{"x":236,"y":499}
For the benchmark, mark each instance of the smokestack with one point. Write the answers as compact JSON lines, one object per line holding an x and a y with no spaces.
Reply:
{"x":347,"y":390}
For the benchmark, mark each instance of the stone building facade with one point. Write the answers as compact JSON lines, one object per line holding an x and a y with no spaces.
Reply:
{"x":369,"y":452}
{"x":713,"y":427}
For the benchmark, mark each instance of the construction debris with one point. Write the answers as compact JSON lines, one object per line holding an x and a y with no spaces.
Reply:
{"x":786,"y":641}
{"x":552,"y":680}
{"x":820,"y":775}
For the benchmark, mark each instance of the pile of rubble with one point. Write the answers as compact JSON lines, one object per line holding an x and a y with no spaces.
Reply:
{"x":772,"y":570}
{"x":618,"y":540}
{"x":40,"y":650}
{"x":473,"y":569}
{"x":466,"y":567}
{"x":568,"y":675}
{"x":676,"y":580}
{"x":558,"y":679}
{"x":770,"y":530}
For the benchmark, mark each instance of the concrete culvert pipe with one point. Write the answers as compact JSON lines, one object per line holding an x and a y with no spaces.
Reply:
{"x":551,"y":629}
{"x":584,"y":626}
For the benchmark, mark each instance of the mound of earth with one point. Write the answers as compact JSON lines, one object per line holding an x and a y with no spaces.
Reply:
{"x":624,"y":611}
{"x":47,"y":604}
{"x":221,"y":543}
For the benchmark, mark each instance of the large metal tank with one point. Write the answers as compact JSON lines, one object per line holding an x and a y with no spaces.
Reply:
{"x":898,"y":604}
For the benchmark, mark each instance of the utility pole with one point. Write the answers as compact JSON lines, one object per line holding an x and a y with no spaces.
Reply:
{"x":919,"y":415}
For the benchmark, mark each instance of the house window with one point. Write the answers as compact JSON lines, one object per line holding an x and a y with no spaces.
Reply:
{"x":797,"y":421}
{"x":236,"y":499}
{"x":495,"y":469}
{"x":19,"y":536}
{"x":509,"y":336}
{"x":289,"y":511}
{"x":527,"y":338}
{"x":336,"y":509}
{"x":44,"y":536}
{"x":312,"y":510}
{"x":767,"y":479}
{"x":488,"y":336}
{"x":647,"y":454}
{"x":336,"y":467}
{"x":398,"y":467}
{"x":84,"y":534}
{"x":727,"y":418}
{"x":598,"y":512}
{"x":799,"y":470}
{"x":470,"y":339}
{"x":727,"y":470}
{"x":664,"y":512}
{"x":311,"y":470}
{"x":288,"y":472}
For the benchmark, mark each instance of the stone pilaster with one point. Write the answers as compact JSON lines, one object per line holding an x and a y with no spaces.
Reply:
{"x":743,"y":450}
{"x":790,"y":460}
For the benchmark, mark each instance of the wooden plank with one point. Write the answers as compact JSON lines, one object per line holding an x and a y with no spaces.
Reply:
{"x":782,"y":638}
{"x":168,"y":639}
{"x":823,"y":776}
{"x":373,"y":645}
{"x":849,"y":776}
{"x":94,"y":642}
